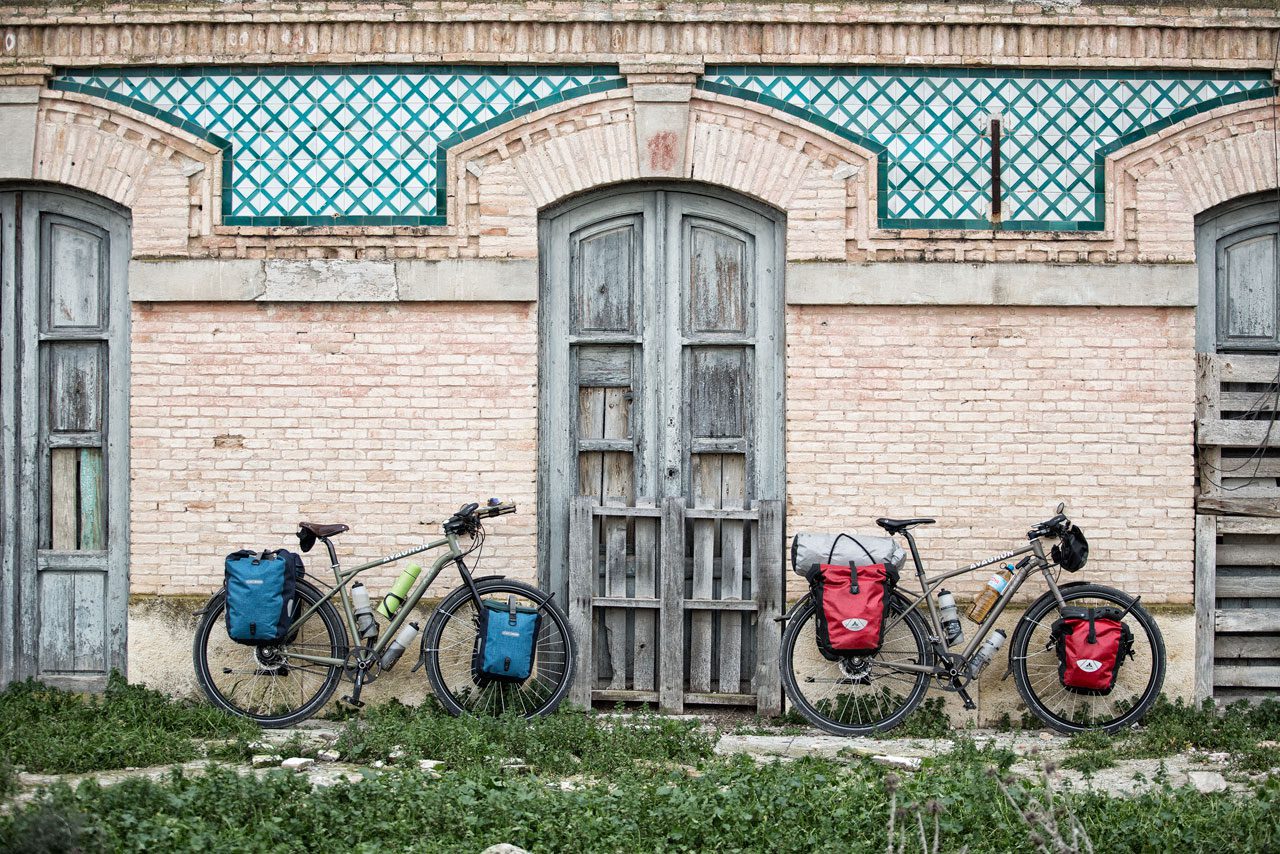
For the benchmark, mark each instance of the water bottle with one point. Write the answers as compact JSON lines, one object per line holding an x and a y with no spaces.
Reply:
{"x":365,"y":622}
{"x":989,"y":649}
{"x":399,"y":645}
{"x":399,"y":591}
{"x":987,"y":598}
{"x":950,"y":617}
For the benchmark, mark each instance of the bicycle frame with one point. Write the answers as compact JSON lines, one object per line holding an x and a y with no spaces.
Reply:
{"x":343,"y":577}
{"x":927,"y":585}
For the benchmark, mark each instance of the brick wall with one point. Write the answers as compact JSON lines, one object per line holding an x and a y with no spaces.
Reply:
{"x":247,"y":418}
{"x":984,"y":418}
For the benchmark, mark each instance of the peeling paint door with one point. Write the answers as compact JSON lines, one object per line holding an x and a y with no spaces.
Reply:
{"x":64,"y":332}
{"x":661,"y":371}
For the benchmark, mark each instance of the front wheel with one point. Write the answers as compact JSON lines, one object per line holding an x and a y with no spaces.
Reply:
{"x":450,"y":640}
{"x":855,"y":696}
{"x":1033,"y":658}
{"x":267,"y":684}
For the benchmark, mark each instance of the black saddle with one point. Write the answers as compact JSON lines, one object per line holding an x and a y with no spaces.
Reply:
{"x":897,"y":526}
{"x":309,"y":532}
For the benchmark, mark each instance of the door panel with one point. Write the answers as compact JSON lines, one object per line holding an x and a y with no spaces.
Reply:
{"x":65,"y":401}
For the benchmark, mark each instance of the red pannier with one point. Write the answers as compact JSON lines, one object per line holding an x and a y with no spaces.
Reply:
{"x":1092,"y":643}
{"x":852,"y":606}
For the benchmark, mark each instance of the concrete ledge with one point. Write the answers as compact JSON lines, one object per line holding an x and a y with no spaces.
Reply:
{"x":481,"y":280}
{"x":195,"y":280}
{"x":18,"y":105}
{"x":906,"y":283}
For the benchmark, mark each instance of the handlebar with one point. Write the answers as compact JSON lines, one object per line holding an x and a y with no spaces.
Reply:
{"x":467,"y":519}
{"x":1055,"y":527}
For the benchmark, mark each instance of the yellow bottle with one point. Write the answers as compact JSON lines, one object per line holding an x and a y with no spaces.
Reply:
{"x":399,"y":591}
{"x":987,"y":598}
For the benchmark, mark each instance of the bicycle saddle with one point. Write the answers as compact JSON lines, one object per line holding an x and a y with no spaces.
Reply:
{"x":895,"y":526}
{"x":323,"y":530}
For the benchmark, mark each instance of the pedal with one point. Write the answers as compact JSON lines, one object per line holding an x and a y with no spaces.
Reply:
{"x":352,"y":701}
{"x":969,"y":705}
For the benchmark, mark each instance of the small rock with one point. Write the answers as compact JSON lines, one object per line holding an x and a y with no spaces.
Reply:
{"x":504,"y":848}
{"x":379,"y":764}
{"x":513,"y":764}
{"x":397,"y":753}
{"x":1046,"y":736}
{"x":264,"y":760}
{"x":297,"y":763}
{"x":1268,"y":743}
{"x":1206,"y":782}
{"x":261,"y":746}
{"x":429,"y":764}
{"x":328,"y":756}
{"x":1218,"y":757}
{"x":906,"y":763}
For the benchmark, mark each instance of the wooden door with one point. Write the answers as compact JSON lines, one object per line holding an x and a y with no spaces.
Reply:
{"x":662,"y":377}
{"x":64,"y":318}
{"x":1238,"y":506}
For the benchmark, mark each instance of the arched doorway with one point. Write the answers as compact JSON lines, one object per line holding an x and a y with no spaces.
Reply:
{"x":64,"y":389}
{"x":1237,"y":529}
{"x":661,"y":365}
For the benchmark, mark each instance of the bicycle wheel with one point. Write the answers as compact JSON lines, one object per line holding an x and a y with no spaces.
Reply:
{"x":855,"y":696}
{"x":450,"y":639}
{"x":1034,"y":660}
{"x":263,"y":683}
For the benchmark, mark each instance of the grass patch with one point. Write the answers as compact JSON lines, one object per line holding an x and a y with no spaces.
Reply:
{"x":568,"y":742}
{"x":929,"y":720}
{"x":47,"y":730}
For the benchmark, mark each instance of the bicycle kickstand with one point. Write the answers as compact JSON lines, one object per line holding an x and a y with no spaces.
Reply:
{"x":969,"y":705}
{"x":353,"y":699}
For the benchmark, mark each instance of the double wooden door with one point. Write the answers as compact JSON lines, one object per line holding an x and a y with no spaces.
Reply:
{"x":662,"y":376}
{"x":64,"y":468}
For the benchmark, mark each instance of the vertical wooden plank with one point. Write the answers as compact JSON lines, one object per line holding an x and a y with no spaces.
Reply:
{"x":55,"y":622}
{"x":89,"y":652}
{"x":1208,"y":407}
{"x":767,"y":579}
{"x":671,"y":578}
{"x":706,"y":493}
{"x":582,"y":586}
{"x":1206,"y":602}
{"x":64,"y":499}
{"x":615,"y":584}
{"x":646,"y":537}
{"x":92,"y":535}
{"x":590,"y":426}
{"x":9,"y":383}
{"x":732,"y":495}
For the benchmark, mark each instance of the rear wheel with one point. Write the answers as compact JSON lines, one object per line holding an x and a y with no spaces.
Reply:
{"x":450,"y":640}
{"x":267,"y":684}
{"x":855,"y":696}
{"x":1034,"y":660}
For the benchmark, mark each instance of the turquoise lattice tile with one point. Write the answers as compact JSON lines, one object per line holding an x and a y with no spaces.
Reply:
{"x":337,"y":145}
{"x":928,"y":129}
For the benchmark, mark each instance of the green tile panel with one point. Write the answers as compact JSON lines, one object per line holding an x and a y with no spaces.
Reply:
{"x":338,"y":145}
{"x":928,"y":128}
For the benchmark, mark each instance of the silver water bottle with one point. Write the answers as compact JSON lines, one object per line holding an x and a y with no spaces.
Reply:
{"x":950,"y":618}
{"x":363,"y":608}
{"x":399,"y":645}
{"x":984,"y":656}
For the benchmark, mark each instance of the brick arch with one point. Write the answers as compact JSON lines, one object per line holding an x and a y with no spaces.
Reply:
{"x":169,"y":179}
{"x":1163,"y":182}
{"x":505,"y":177}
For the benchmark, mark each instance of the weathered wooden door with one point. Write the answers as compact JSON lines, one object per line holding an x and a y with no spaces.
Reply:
{"x":1238,"y":506}
{"x":662,"y":377}
{"x":64,"y":332}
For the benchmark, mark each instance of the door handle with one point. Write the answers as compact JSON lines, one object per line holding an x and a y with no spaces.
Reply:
{"x":672,"y":471}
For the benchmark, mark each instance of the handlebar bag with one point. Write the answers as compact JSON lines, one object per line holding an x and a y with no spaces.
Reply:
{"x":1072,"y":551}
{"x":1092,"y":644}
{"x":852,"y":606}
{"x":261,"y":594}
{"x":506,"y":642}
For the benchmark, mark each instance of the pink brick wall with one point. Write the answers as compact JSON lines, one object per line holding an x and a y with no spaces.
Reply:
{"x":250,"y":417}
{"x":247,"y":418}
{"x":985,"y":417}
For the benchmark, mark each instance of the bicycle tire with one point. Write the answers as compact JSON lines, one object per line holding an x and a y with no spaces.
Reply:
{"x":449,"y":640}
{"x":1138,"y":683}
{"x":850,"y":713}
{"x":267,"y":695}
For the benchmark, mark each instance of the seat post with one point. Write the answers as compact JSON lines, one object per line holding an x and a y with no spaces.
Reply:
{"x":915,"y":555}
{"x":333,"y":554}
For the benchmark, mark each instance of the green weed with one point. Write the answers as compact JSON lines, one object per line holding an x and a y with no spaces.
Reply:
{"x":52,"y":731}
{"x":929,"y":720}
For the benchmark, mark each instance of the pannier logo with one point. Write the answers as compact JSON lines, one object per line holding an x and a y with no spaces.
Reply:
{"x":253,"y":581}
{"x":1088,"y":665}
{"x":511,"y":634}
{"x":853,"y":624}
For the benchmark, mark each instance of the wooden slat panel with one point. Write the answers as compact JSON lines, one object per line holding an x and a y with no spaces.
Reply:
{"x":706,"y":493}
{"x":591,"y":426}
{"x":56,"y":623}
{"x":717,"y":513}
{"x":1248,"y":554}
{"x":1246,"y":676}
{"x":605,"y":695}
{"x":615,"y":585}
{"x":1208,"y":390}
{"x":626,"y":602}
{"x":629,"y":512}
{"x":1248,"y":620}
{"x":719,"y":699}
{"x":1235,"y":434}
{"x":1239,"y":506}
{"x":697,"y":604}
{"x":1249,"y":401}
{"x":74,"y":259}
{"x":718,"y":393}
{"x":733,"y":493}
{"x":604,"y":367}
{"x":603,"y":278}
{"x":582,"y":582}
{"x":671,"y":651}
{"x":64,"y":499}
{"x":75,"y":386}
{"x":1247,"y":291}
{"x":718,"y":282}
{"x":646,"y":623}
{"x":1234,"y":368}
{"x":1248,"y":525}
{"x":90,"y":633}
{"x":766,"y":575}
{"x":1206,"y":544}
{"x":92,"y":501}
{"x":1248,"y":585}
{"x":1228,"y":647}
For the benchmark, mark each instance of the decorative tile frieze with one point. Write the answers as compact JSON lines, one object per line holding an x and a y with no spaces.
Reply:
{"x":337,"y":145}
{"x":930,"y":130}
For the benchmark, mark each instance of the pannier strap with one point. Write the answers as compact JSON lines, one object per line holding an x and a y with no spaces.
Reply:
{"x":853,"y":576}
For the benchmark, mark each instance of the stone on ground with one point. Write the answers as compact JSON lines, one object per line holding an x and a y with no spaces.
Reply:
{"x":297,"y":763}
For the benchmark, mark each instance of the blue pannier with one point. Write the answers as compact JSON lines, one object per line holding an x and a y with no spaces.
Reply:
{"x":261,"y":596}
{"x":506,"y":643}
